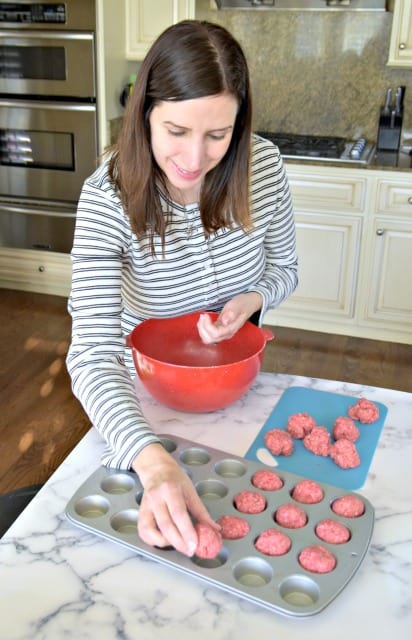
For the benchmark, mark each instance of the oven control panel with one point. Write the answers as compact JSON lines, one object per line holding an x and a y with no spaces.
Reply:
{"x":32,"y":13}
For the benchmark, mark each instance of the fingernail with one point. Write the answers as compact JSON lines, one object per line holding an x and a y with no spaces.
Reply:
{"x":191,"y":549}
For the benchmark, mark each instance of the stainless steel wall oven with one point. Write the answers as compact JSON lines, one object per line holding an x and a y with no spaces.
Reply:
{"x":48,"y":119}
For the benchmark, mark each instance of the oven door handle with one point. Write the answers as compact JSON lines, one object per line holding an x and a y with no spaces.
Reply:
{"x":58,"y":210}
{"x":46,"y":35}
{"x":47,"y":104}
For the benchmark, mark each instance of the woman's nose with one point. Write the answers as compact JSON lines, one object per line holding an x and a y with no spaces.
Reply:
{"x":195,"y":153}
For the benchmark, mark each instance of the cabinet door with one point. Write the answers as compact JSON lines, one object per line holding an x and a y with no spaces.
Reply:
{"x":390,"y":294}
{"x":328,"y":251}
{"x":146,"y":19}
{"x":400,"y":49}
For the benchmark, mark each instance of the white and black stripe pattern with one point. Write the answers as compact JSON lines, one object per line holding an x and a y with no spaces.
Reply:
{"x":117,"y":284}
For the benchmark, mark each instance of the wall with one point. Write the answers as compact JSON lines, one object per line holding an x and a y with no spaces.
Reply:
{"x":316,"y":72}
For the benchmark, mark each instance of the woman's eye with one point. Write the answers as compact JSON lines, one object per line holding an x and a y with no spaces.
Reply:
{"x":178,"y":133}
{"x":217,"y":136}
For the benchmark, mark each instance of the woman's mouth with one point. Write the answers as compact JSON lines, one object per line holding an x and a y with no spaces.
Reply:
{"x":187,"y":175}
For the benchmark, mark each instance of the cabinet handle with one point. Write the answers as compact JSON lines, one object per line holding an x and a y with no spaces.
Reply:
{"x":380,"y":232}
{"x":402,"y":46}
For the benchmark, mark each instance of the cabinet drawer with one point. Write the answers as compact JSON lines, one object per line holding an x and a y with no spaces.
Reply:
{"x":320,"y":194}
{"x":395,"y":197}
{"x":38,"y":271}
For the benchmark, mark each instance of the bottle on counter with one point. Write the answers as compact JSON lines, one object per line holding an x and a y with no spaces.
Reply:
{"x":128,"y":89}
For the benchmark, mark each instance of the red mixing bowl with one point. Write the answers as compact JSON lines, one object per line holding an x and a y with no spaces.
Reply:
{"x":182,"y":372}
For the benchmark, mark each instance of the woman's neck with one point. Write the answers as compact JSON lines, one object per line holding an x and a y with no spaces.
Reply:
{"x":184,"y":198}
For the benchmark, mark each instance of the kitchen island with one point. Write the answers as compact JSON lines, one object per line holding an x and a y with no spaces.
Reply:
{"x":58,"y":581}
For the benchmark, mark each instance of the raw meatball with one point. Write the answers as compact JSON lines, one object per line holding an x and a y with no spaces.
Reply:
{"x":318,"y":441}
{"x":209,"y":541}
{"x":273,"y":542}
{"x":345,"y":454}
{"x":364,"y":411}
{"x":317,"y":559}
{"x":233,"y":527}
{"x":290,"y":516}
{"x":249,"y":502}
{"x":300,"y":424}
{"x":348,"y":506}
{"x":307,"y":492}
{"x":279,"y":442}
{"x":332,"y":531}
{"x":267,"y":480}
{"x":345,"y":428}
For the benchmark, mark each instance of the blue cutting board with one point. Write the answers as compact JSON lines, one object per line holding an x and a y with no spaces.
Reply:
{"x":324,"y":407}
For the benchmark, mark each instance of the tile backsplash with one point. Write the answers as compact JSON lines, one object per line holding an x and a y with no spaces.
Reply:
{"x":316,"y":72}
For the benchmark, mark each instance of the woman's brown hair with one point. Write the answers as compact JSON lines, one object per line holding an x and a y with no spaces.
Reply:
{"x":191,"y":59}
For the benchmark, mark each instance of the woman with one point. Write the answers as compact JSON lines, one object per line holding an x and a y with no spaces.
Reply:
{"x":188,"y":213}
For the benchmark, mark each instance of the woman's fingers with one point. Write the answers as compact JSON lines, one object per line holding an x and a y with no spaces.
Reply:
{"x":200,"y":513}
{"x":148,"y":531}
{"x":222,"y":329}
{"x":164,"y":520}
{"x":231,"y":318}
{"x":170,"y":503}
{"x":205,"y":328}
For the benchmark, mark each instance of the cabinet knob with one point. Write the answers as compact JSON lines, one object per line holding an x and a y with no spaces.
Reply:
{"x":402,"y":46}
{"x":410,"y":200}
{"x":380,"y":232}
{"x":41,"y":268}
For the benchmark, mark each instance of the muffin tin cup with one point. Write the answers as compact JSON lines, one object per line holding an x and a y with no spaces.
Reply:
{"x":107,"y":504}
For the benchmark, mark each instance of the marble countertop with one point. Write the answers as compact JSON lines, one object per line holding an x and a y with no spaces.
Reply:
{"x":58,"y":581}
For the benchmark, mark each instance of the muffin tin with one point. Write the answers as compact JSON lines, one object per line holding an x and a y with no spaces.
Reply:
{"x":107,"y":504}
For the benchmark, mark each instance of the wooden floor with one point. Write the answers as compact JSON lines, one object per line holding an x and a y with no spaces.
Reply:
{"x":41,"y":421}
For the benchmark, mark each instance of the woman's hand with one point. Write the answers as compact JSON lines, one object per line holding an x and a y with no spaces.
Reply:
{"x":233,"y":316}
{"x":169,"y":499}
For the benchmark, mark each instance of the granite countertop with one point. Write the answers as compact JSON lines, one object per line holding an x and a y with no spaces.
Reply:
{"x":382,"y":161}
{"x":59,"y":581}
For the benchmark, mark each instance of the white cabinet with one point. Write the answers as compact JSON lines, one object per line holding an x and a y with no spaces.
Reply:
{"x":390,"y":281}
{"x":146,"y":19}
{"x":38,"y":271}
{"x":329,"y":209}
{"x":400,"y":48}
{"x":389,"y":299}
{"x":328,"y":246}
{"x":354,"y":240}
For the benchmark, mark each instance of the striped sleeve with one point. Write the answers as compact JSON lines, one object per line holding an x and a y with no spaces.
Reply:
{"x":270,"y":189}
{"x":95,"y":361}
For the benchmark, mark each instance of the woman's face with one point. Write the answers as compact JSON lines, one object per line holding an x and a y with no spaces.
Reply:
{"x":189,"y":138}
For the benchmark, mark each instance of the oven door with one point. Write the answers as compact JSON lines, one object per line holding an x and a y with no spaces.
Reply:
{"x":47,"y":149}
{"x":47,"y":63}
{"x":48,"y":14}
{"x":30,"y":225}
